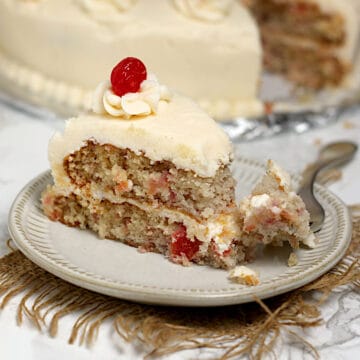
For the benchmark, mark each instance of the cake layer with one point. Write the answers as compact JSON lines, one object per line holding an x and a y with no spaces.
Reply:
{"x":349,"y":10}
{"x":178,"y":237}
{"x":333,"y":12}
{"x":302,"y":60}
{"x":107,"y":172}
{"x":302,"y":18}
{"x":313,"y":42}
{"x":70,"y":45}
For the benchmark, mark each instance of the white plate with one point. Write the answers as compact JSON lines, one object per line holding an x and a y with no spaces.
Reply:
{"x":111,"y":268}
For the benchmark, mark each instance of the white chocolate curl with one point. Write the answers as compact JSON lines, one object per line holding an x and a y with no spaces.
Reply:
{"x":206,"y":10}
{"x":143,"y":102}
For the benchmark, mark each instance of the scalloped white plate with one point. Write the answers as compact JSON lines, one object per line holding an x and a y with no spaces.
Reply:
{"x":111,"y":268}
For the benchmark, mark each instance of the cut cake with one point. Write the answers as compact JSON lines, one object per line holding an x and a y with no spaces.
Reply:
{"x":139,"y":169}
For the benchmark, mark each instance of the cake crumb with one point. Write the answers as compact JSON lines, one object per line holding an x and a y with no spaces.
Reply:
{"x":317,"y":142}
{"x":348,"y":125}
{"x":245,"y":276}
{"x":268,"y":107}
{"x":293,"y":260}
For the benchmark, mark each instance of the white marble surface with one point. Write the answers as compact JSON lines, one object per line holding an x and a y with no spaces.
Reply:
{"x":23,"y":145}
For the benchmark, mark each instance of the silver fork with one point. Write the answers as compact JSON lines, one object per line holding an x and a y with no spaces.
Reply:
{"x":332,"y":155}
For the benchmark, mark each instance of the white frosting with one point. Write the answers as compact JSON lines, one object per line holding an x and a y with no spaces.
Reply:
{"x":223,"y":230}
{"x":258,"y":201}
{"x":214,"y":229}
{"x":58,"y":76}
{"x":208,"y":10}
{"x":275,"y":210}
{"x":68,"y":99}
{"x":187,"y":55}
{"x":174,"y":133}
{"x":105,"y":10}
{"x":98,"y":5}
{"x":143,"y":102}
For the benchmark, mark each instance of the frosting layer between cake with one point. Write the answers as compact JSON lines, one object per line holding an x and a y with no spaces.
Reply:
{"x":216,"y":63}
{"x":179,"y":132}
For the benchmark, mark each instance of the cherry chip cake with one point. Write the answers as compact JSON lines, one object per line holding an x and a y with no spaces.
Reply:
{"x":149,"y":168}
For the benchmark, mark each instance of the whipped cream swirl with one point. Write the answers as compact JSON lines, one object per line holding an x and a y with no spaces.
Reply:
{"x":143,"y":102}
{"x":105,"y":9}
{"x":206,"y":10}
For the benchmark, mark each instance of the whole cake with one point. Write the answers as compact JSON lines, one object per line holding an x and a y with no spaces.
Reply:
{"x":139,"y":169}
{"x":54,"y":52}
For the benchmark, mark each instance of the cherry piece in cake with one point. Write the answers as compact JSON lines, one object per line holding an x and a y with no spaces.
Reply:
{"x":182,"y":245}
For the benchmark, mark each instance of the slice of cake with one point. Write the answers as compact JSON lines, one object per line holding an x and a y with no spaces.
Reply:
{"x":148,"y":168}
{"x":274,"y":213}
{"x":313,"y":42}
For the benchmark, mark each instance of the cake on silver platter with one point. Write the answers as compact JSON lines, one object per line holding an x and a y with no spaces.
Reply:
{"x":54,"y":52}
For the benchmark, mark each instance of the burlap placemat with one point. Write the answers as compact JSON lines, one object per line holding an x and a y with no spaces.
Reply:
{"x":251,"y":329}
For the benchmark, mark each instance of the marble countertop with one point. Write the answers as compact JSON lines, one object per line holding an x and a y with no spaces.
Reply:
{"x":23,"y":155}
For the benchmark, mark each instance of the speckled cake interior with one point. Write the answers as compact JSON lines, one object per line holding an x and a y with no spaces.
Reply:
{"x":153,"y":206}
{"x":312,"y":42}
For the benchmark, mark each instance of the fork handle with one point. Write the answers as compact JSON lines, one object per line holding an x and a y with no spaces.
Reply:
{"x":310,"y":174}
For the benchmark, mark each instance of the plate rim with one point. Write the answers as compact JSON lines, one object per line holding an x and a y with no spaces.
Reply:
{"x":166,"y":296}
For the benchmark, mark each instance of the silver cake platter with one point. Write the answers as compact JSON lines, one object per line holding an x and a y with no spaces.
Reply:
{"x":244,"y":129}
{"x":292,"y":110}
{"x":31,"y":110}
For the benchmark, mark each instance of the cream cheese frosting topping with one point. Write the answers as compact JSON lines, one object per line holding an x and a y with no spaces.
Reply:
{"x":179,"y":132}
{"x":103,"y":10}
{"x":143,"y":102}
{"x":206,"y":10}
{"x":260,"y":200}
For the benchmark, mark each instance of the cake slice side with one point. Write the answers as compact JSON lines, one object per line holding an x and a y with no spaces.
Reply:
{"x":314,"y":43}
{"x":150,"y":169}
{"x":179,"y":237}
{"x":107,"y":172}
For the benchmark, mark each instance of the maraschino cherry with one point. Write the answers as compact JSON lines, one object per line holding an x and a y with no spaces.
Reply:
{"x":181,"y":245}
{"x":127,"y":76}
